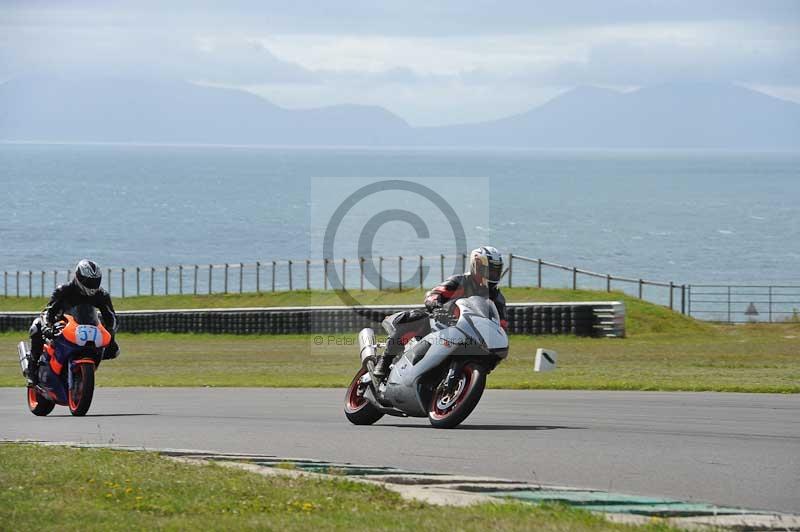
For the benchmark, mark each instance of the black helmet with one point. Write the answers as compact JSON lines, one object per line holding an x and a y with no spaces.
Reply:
{"x":486,"y":264}
{"x":88,"y":277}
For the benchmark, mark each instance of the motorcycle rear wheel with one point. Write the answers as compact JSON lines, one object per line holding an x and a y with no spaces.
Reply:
{"x":82,"y":390}
{"x":38,"y":405}
{"x":359,"y":411}
{"x":450,"y":410}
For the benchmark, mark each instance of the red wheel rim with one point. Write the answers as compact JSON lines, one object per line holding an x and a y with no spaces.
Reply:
{"x":33,"y":399}
{"x":442,"y":406}
{"x":353,"y":401}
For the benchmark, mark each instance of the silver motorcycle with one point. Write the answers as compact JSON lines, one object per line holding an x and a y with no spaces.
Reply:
{"x":440,"y":376}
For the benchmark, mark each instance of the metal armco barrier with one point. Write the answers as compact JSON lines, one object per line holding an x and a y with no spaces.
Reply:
{"x":596,"y":318}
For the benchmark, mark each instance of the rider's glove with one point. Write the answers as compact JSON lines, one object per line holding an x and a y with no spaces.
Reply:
{"x":442,"y":315}
{"x":504,"y":324}
{"x":48,"y":332}
{"x":433,"y":304}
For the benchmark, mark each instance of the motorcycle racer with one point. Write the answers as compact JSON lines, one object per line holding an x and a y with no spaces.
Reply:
{"x":83,"y":289}
{"x":483,"y":278}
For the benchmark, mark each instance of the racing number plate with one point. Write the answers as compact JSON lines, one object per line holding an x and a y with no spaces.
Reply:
{"x":86,"y":333}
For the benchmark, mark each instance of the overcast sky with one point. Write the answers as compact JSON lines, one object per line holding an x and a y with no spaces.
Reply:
{"x":429,"y":62}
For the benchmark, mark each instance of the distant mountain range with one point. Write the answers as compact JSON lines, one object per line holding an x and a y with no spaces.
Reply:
{"x":678,"y":115}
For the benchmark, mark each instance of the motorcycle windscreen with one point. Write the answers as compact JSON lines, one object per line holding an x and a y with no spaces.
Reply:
{"x":84,"y":314}
{"x":481,"y":306}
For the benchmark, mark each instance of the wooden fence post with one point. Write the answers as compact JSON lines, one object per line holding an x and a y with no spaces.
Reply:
{"x":683,"y":299}
{"x":539,"y":273}
{"x":671,"y":294}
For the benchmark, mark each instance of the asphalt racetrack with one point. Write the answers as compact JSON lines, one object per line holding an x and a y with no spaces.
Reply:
{"x":727,"y":449}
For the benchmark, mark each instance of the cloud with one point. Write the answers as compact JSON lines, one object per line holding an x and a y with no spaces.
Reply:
{"x":409,"y":18}
{"x":430,"y":62}
{"x":215,"y":58}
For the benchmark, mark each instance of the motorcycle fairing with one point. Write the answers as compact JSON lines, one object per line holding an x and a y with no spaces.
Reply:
{"x":50,"y":385}
{"x":83,"y":334}
{"x":403,"y":384}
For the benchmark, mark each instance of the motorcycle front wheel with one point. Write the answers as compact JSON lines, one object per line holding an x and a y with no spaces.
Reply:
{"x":82,"y":390}
{"x":448,"y":410}
{"x":359,"y":411}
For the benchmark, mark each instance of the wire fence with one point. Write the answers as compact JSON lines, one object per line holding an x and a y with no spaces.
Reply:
{"x":745,"y":303}
{"x":381,"y":273}
{"x":709,"y":302}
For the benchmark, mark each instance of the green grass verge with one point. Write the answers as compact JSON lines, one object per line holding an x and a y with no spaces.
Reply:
{"x":752,"y":358}
{"x":60,"y":488}
{"x":642,"y":316}
{"x":664,"y":350}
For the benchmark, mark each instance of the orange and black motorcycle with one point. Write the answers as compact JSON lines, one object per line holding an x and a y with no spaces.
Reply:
{"x":69,"y":362}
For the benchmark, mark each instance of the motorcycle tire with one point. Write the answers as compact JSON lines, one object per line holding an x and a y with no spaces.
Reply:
{"x":359,"y":411}
{"x":447,"y":412}
{"x":38,"y":405}
{"x":82,"y":391}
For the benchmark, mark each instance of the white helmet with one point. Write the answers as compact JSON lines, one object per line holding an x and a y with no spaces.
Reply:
{"x":88,"y":277}
{"x":486,"y":265}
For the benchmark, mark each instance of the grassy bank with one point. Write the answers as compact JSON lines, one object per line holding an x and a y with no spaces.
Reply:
{"x":56,"y":488}
{"x":753,"y":358}
{"x":643,"y":317}
{"x":664,"y":350}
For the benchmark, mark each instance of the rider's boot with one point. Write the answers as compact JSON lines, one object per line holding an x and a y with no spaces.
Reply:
{"x":393,"y":348}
